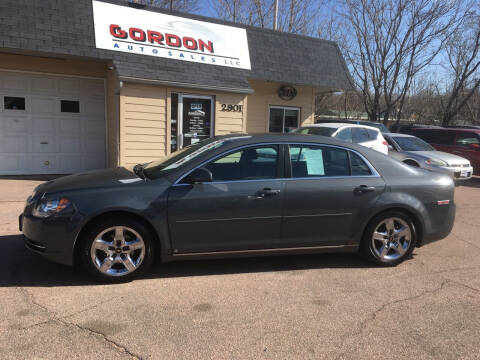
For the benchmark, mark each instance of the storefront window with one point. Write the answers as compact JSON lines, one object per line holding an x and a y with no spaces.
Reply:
{"x":283,"y":119}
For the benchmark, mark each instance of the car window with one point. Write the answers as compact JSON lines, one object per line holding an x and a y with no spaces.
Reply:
{"x":360,"y":135}
{"x":435,"y":136}
{"x":155,"y":169}
{"x":466,"y":139}
{"x":323,"y":131}
{"x":247,"y":164}
{"x":317,"y":161}
{"x":358,"y":166}
{"x":345,"y":135}
{"x":372,"y":134}
{"x":412,"y":144}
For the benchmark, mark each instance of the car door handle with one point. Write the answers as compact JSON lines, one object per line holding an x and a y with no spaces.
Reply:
{"x":363,"y":189}
{"x":267,"y":192}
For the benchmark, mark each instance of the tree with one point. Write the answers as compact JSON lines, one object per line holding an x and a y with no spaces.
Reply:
{"x":178,"y":5}
{"x":295,"y":16}
{"x":248,"y":12}
{"x":463,"y":53}
{"x":387,"y":43}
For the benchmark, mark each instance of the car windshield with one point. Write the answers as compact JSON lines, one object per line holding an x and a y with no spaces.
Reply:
{"x":323,"y":131}
{"x":157,"y":168}
{"x":412,"y":144}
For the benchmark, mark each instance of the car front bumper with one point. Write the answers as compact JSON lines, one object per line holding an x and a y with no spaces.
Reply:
{"x":457,"y":173}
{"x":53,"y":237}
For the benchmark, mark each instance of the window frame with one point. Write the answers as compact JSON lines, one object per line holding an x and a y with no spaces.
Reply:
{"x":24,"y":97}
{"x":280,"y":171}
{"x":288,"y":166}
{"x":284,"y":167}
{"x":270,"y":107}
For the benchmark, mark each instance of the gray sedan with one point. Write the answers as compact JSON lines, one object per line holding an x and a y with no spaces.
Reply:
{"x":239,"y":195}
{"x":415,"y":152}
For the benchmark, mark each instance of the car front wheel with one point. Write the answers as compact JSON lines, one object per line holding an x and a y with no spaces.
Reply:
{"x":117,"y":250}
{"x":389,"y":238}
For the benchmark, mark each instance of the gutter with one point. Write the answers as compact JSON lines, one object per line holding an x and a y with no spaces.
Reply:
{"x":186,"y":85}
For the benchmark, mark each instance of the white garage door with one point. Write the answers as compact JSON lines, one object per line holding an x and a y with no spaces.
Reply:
{"x":50,"y":124}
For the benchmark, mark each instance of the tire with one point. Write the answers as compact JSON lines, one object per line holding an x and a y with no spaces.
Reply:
{"x":387,"y":246}
{"x":117,"y":250}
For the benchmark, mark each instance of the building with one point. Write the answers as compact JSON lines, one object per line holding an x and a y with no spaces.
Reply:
{"x":87,"y":84}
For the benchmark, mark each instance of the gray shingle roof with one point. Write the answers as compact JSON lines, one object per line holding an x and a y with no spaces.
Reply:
{"x":65,"y":28}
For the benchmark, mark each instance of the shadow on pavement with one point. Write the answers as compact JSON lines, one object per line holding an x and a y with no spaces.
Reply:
{"x":25,"y":268}
{"x":473,"y":182}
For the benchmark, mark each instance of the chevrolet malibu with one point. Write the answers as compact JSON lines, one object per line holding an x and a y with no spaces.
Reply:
{"x":239,"y":195}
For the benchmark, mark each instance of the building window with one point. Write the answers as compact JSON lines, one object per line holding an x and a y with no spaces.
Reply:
{"x":14,"y":103}
{"x":283,"y":119}
{"x":69,"y":106}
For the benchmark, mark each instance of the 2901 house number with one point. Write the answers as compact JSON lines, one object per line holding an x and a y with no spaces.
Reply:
{"x":230,"y":107}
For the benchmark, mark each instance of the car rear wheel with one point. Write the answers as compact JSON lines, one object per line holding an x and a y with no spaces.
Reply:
{"x":117,"y":250}
{"x":389,"y":238}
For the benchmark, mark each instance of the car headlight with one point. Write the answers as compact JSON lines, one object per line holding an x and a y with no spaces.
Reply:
{"x":47,"y":207}
{"x":436,"y":162}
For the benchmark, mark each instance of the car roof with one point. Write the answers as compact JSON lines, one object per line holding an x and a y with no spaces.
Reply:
{"x":340,"y":125}
{"x":238,"y":139}
{"x":398,"y":135}
{"x":477,"y":131}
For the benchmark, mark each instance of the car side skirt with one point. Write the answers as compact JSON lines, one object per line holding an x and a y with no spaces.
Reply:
{"x":262,"y":252}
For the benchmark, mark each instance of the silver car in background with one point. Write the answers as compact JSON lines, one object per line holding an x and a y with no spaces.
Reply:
{"x":415,"y":152}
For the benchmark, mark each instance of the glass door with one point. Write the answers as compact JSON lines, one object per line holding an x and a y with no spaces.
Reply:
{"x":195,"y":119}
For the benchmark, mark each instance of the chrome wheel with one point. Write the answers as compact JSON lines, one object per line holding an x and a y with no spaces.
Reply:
{"x":391,"y":238}
{"x":117,"y":251}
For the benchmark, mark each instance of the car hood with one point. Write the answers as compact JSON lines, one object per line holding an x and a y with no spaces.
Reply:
{"x":92,"y":179}
{"x":440,"y":155}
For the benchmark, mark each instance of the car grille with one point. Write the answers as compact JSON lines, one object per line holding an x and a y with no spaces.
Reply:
{"x":457,"y":174}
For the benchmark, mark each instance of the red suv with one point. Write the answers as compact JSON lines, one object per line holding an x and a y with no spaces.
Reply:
{"x":461,"y":142}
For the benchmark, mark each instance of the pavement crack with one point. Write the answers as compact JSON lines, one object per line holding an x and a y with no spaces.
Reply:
{"x":113,"y":343}
{"x":31,"y":299}
{"x":465,"y":241}
{"x":363,"y":325}
{"x":63,"y":320}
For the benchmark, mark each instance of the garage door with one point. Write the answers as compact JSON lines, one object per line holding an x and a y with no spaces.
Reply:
{"x":50,"y":124}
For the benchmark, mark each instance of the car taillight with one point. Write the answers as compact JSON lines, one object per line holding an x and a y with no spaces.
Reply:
{"x":385,"y":143}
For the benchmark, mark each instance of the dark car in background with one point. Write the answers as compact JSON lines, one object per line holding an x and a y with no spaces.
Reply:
{"x":239,"y":195}
{"x":461,"y":142}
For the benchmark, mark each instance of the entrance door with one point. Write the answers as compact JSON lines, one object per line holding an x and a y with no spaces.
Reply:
{"x":196,"y":119}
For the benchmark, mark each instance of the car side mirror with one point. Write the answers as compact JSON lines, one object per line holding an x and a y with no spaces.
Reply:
{"x":199,"y":176}
{"x":390,"y":148}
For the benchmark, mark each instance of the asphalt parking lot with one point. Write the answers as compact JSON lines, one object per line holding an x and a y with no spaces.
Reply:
{"x":305,"y":307}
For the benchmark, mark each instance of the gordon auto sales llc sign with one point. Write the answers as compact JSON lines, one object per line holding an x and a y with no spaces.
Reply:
{"x":138,"y":31}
